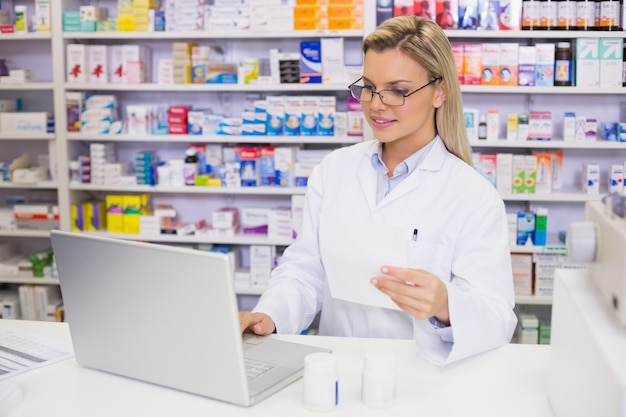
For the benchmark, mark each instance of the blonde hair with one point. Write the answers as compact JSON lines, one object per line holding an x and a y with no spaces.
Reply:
{"x":425,"y":42}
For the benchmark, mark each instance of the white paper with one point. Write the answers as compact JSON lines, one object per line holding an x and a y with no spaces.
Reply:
{"x":354,"y":255}
{"x":21,"y":351}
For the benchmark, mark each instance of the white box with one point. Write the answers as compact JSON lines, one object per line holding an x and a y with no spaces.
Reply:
{"x":116,"y":64}
{"x":587,"y":62}
{"x":522,"y":273}
{"x":254,"y":220}
{"x":76,"y":63}
{"x":97,"y":63}
{"x":279,"y":223}
{"x":504,"y":173}
{"x":591,"y":178}
{"x":297,"y":212}
{"x":611,"y":62}
{"x":332,"y":60}
{"x":569,"y":127}
{"x":24,"y":122}
{"x":493,"y":125}
{"x":528,"y":331}
{"x":616,"y":178}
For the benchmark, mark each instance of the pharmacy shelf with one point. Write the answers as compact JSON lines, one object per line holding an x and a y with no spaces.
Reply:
{"x":28,"y":86}
{"x":288,"y":140}
{"x":548,"y":144}
{"x":194,"y":88}
{"x":25,"y":233}
{"x":27,"y":136}
{"x":543,"y":250}
{"x":495,"y":89}
{"x":232,"y":35}
{"x":573,"y":197}
{"x":530,"y":34}
{"x":188,"y":189}
{"x":31,"y":36}
{"x":29,"y":280}
{"x":45,"y":185}
{"x":218,"y":240}
{"x":532,"y":300}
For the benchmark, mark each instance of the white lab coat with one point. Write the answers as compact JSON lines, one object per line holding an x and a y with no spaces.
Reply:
{"x":463,"y":239}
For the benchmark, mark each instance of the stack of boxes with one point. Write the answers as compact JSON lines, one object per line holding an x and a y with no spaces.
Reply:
{"x":335,"y":15}
{"x":123,"y":212}
{"x":104,"y":169}
{"x":181,"y":62}
{"x":88,"y":216}
{"x":185,"y":15}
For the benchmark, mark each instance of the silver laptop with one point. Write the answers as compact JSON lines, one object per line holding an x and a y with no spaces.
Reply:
{"x":168,"y":316}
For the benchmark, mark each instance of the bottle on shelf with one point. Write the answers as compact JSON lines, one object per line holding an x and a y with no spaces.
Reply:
{"x":530,"y":14}
{"x":585,"y":15}
{"x":482,"y":127}
{"x":610,"y":15}
{"x":566,"y":15}
{"x":563,"y":64}
{"x":190,"y":168}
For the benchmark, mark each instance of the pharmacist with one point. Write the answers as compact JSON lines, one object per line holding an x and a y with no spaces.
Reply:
{"x":401,"y":237}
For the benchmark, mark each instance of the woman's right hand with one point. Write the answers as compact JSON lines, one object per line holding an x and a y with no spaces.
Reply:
{"x":258,"y":323}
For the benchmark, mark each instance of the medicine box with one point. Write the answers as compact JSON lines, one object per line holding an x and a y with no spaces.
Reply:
{"x":490,"y":71}
{"x":611,"y":62}
{"x":591,"y":178}
{"x":526,"y":66}
{"x":310,"y":62}
{"x":509,"y":58}
{"x":522,"y":265}
{"x":587,"y":62}
{"x":544,"y":69}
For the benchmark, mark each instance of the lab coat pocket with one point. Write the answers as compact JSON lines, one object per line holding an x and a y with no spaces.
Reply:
{"x":428,"y":256}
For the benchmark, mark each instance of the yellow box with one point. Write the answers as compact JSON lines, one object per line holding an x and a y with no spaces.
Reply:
{"x":146,"y":4}
{"x":310,"y":24}
{"x":133,"y":207}
{"x":125,"y":23}
{"x":343,"y":11}
{"x":76,"y":214}
{"x":347,"y":23}
{"x":346,"y":2}
{"x":115,"y":214}
{"x":93,"y":216}
{"x":309,"y":12}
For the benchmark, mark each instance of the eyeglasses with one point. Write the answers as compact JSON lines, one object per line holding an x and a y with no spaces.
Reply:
{"x":388,"y":97}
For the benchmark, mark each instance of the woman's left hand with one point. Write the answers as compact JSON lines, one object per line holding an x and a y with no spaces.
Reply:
{"x":417,"y":292}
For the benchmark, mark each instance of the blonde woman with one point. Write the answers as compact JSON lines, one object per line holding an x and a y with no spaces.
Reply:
{"x":401,"y":237}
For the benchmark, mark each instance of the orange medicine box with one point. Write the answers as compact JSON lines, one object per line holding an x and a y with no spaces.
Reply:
{"x":310,"y":24}
{"x":508,"y":63}
{"x":309,"y":12}
{"x":472,"y":63}
{"x":347,"y":23}
{"x":347,"y":11}
{"x":457,"y":51}
{"x":490,"y":74}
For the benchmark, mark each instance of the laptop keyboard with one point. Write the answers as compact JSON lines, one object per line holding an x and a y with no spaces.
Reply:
{"x":256,"y":368}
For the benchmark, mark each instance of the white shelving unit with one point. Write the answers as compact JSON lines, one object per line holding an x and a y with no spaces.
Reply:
{"x":32,"y":51}
{"x":564,"y":206}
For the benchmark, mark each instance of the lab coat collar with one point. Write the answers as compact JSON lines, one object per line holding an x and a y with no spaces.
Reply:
{"x":367,"y":174}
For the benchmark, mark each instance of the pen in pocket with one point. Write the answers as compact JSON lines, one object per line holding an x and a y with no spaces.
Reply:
{"x":415,"y":231}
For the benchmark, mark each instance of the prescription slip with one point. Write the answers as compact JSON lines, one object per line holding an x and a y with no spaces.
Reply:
{"x":353,"y":255}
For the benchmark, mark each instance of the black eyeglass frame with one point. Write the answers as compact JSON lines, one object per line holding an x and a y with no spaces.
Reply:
{"x":381,"y":97}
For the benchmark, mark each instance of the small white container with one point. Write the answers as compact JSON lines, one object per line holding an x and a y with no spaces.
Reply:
{"x":378,"y":388}
{"x":320,"y":382}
